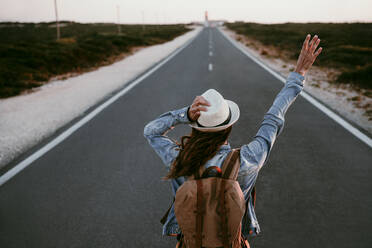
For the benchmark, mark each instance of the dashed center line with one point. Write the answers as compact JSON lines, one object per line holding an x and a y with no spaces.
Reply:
{"x":210,"y":43}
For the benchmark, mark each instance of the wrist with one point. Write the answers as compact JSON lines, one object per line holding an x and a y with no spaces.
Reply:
{"x":296,"y":78}
{"x":188,"y":116}
{"x":187,"y":113}
{"x":181,"y":115}
{"x":300,"y":71}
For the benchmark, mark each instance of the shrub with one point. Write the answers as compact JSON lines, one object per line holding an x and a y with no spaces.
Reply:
{"x":347,"y":46}
{"x":30,"y":53}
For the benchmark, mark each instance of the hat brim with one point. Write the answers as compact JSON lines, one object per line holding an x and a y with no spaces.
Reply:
{"x":235,"y":113}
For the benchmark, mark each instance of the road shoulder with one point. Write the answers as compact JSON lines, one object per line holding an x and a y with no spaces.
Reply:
{"x":28,"y":119}
{"x":352,"y":105}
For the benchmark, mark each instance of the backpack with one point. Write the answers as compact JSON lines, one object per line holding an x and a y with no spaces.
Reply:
{"x":209,"y":208}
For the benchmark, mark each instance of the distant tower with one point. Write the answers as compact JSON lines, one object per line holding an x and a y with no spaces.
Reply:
{"x":206,"y":23}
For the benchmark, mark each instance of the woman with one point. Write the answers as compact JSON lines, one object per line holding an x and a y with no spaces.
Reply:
{"x":208,"y":146}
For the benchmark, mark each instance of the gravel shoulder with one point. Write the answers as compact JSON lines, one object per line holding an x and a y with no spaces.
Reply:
{"x":27,"y":119}
{"x":353,"y":105}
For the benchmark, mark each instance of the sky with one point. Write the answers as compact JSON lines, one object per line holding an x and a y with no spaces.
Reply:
{"x":184,"y":11}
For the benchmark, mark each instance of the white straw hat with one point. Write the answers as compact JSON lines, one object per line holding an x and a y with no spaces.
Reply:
{"x":220,"y":115}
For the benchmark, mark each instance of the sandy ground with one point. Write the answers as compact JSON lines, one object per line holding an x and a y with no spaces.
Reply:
{"x":353,"y":105}
{"x":29,"y":118}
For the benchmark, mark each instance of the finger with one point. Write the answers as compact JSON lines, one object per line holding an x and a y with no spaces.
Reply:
{"x":202,"y":100}
{"x":315,"y":46}
{"x":198,"y":108}
{"x":196,"y":102}
{"x":201,"y":108}
{"x":193,"y":109}
{"x":318,"y":52}
{"x":313,"y":40}
{"x":197,"y":99}
{"x":306,"y":42}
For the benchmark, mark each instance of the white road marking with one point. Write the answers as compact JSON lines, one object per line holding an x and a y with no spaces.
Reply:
{"x":210,"y":53}
{"x":210,"y":67}
{"x":26,"y":162}
{"x":307,"y":96}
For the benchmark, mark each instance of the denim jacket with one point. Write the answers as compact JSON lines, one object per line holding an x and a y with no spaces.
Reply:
{"x":252,"y":155}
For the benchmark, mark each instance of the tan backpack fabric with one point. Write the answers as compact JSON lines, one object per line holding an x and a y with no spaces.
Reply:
{"x":209,"y":210}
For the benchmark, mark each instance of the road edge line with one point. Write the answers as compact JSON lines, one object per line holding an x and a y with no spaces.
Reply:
{"x":337,"y":118}
{"x":54,"y":142}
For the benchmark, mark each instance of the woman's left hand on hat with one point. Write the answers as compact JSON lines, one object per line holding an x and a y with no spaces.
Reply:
{"x":197,"y":106}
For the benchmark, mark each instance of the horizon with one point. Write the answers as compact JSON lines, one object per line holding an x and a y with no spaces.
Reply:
{"x":122,"y":23}
{"x":177,"y":11}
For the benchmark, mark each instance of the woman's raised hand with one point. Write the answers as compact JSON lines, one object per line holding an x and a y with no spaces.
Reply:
{"x":308,"y":54}
{"x":197,"y":106}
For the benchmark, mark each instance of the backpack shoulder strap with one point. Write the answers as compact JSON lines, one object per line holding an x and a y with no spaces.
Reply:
{"x":226,"y":161}
{"x":231,"y":165}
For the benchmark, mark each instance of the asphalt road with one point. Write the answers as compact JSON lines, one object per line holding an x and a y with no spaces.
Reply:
{"x":102,"y":186}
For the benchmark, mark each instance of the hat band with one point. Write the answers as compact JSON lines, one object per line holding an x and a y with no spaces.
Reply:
{"x":223,"y":123}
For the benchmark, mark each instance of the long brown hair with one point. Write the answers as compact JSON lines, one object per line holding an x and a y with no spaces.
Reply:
{"x":195,"y":150}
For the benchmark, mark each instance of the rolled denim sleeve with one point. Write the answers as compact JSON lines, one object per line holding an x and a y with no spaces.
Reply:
{"x":155,"y":133}
{"x":257,"y":151}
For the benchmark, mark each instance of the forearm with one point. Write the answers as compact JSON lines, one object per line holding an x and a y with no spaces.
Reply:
{"x":155,"y":132}
{"x":164,"y":122}
{"x":273,"y":121}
